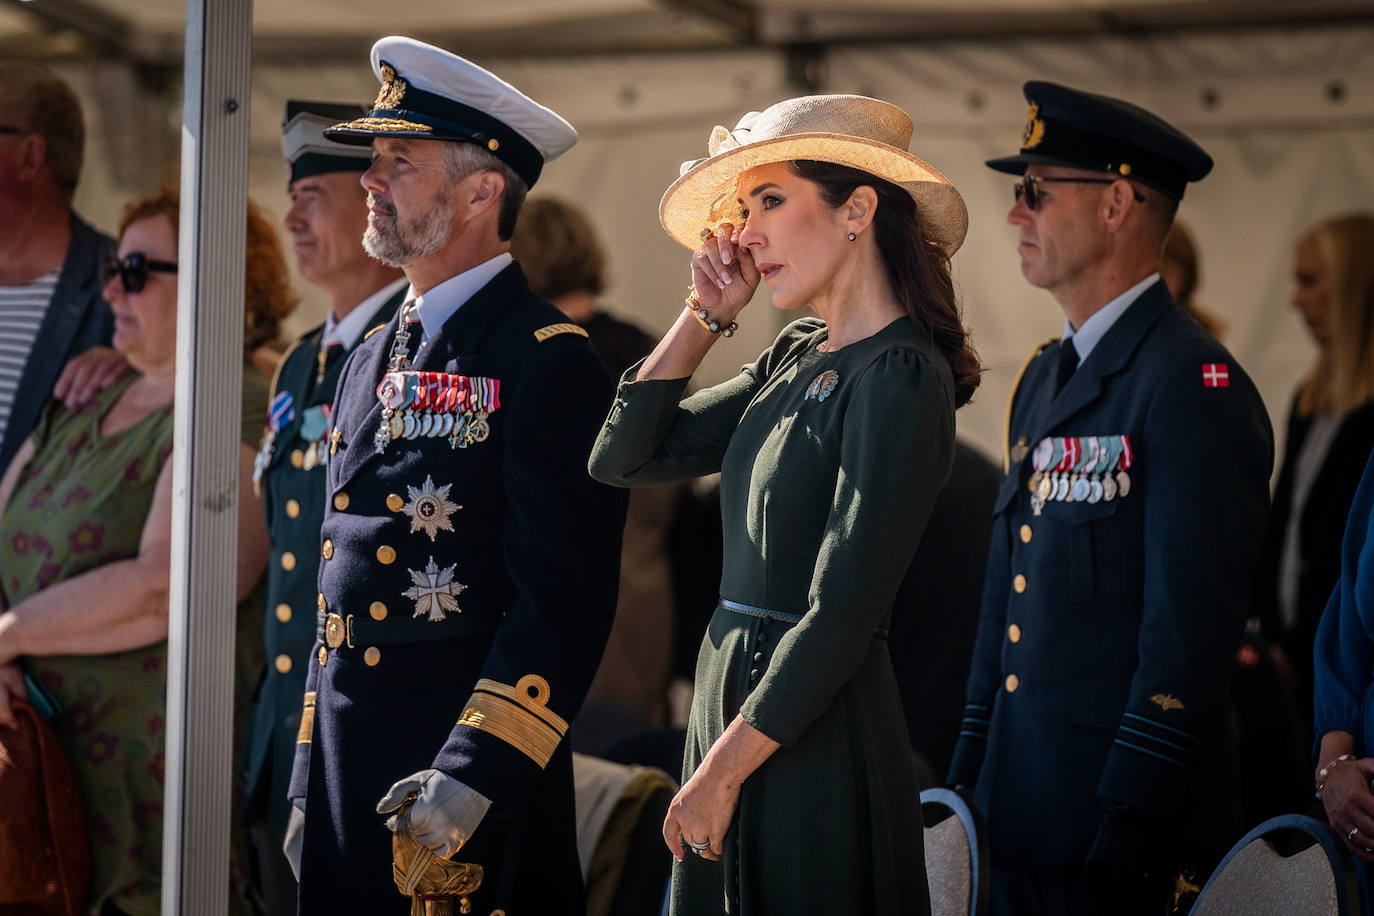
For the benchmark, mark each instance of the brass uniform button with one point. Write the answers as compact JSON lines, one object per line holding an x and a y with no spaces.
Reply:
{"x":284,"y":613}
{"x":320,"y":602}
{"x":1012,"y":683}
{"x":1019,"y":583}
{"x":297,"y":458}
{"x":394,"y":502}
{"x":293,"y":509}
{"x":283,"y":663}
{"x":1025,"y":534}
{"x":494,"y":144}
{"x":386,"y":555}
{"x":327,"y":549}
{"x":288,"y":560}
{"x":341,"y":501}
{"x":323,"y":655}
{"x":372,"y":656}
{"x":1014,"y":633}
{"x":378,"y":610}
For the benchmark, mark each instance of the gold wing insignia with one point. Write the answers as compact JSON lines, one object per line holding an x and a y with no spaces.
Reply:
{"x":554,"y":330}
{"x":1166,"y":702}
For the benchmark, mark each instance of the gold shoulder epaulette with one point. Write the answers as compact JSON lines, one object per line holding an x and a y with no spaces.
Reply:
{"x":374,"y":330}
{"x":1011,"y":400}
{"x":554,"y":330}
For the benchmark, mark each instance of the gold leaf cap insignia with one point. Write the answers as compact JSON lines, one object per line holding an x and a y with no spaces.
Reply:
{"x":393,"y":88}
{"x":1035,"y":128}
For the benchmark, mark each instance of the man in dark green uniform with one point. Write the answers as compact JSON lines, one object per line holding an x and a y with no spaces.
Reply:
{"x":1097,"y":735}
{"x":326,"y":221}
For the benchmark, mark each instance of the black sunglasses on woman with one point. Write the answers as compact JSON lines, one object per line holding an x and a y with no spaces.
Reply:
{"x":132,"y":270}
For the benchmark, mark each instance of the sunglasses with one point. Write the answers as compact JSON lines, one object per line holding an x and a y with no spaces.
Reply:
{"x":1026,"y":187}
{"x":132,"y":270}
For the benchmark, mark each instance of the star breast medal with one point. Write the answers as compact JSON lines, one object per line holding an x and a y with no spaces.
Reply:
{"x":429,"y":508}
{"x":434,"y":591}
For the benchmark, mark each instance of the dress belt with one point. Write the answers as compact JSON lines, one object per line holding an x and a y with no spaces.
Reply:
{"x":780,"y":616}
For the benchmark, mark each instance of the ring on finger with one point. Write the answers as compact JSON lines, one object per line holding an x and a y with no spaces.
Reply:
{"x":1350,"y":837}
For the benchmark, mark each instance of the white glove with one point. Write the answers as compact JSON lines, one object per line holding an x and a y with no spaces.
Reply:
{"x":295,"y":836}
{"x":445,"y":813}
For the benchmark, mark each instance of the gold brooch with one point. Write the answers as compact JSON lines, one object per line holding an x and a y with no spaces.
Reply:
{"x":393,"y":88}
{"x":822,"y":385}
{"x":1035,"y":128}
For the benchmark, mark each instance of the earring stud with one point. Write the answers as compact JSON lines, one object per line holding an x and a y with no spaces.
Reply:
{"x":852,"y":236}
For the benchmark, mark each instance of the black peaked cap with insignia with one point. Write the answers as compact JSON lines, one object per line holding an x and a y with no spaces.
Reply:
{"x":1084,"y":130}
{"x":428,"y":93}
{"x":303,"y":144}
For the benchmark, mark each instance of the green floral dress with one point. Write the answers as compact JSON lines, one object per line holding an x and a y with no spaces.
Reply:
{"x":80,"y":503}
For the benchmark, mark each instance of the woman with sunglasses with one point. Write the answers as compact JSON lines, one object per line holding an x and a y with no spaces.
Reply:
{"x":85,"y":533}
{"x":800,"y":792}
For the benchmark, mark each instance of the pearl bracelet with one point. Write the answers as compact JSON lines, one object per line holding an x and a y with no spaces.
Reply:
{"x":1326,"y":770}
{"x":704,"y":318}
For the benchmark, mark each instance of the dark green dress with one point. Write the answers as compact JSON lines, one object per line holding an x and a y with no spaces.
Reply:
{"x":830,"y":464}
{"x":79,"y":504}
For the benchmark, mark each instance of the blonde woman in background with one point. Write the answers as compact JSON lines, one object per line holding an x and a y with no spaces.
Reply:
{"x":1330,"y":435}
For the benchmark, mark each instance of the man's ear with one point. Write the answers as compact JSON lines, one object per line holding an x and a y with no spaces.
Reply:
{"x":1118,"y":203}
{"x":486,"y":189}
{"x":33,"y":156}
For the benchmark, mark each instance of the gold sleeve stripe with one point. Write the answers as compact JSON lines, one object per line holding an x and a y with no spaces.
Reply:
{"x":1011,"y":400}
{"x":307,"y":719}
{"x":516,"y":717}
{"x":554,"y":330}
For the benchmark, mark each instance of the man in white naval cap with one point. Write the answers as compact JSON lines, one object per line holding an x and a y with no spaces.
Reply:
{"x":326,"y":220}
{"x":468,"y":563}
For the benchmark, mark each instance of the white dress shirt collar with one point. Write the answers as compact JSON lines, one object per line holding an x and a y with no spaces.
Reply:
{"x":1096,"y":327}
{"x":347,"y":331}
{"x":438,"y":305}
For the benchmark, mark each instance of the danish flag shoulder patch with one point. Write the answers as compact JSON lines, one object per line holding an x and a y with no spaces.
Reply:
{"x":1216,"y":375}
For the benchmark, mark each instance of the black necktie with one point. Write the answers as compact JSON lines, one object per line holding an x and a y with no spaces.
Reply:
{"x":1068,"y":363}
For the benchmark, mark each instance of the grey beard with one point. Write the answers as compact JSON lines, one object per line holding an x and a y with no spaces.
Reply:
{"x":403,"y":243}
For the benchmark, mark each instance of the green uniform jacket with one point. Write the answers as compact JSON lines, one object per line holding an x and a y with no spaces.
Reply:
{"x":293,"y":490}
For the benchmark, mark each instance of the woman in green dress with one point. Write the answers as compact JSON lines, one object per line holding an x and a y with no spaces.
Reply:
{"x":799,"y":788}
{"x":85,"y":538}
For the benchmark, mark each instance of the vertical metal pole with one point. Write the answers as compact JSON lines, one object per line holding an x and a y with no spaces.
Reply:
{"x":200,"y":671}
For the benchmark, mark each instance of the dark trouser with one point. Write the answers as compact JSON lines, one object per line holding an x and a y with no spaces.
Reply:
{"x":273,"y":875}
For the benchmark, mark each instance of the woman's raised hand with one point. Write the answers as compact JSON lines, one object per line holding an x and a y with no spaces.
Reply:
{"x":723,"y":272}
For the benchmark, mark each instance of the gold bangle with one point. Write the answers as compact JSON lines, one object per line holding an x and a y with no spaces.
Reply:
{"x":704,"y":318}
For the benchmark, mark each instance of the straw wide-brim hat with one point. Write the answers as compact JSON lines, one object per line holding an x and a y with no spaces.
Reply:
{"x":852,"y":130}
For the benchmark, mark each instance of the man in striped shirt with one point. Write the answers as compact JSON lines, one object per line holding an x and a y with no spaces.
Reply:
{"x":51,"y":307}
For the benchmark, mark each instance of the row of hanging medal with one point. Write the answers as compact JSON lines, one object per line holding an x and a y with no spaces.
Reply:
{"x":314,"y":430}
{"x":1083,"y":469}
{"x":431,"y":405}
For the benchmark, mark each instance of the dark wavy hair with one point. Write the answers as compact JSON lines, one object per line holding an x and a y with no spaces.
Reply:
{"x":917,"y":269}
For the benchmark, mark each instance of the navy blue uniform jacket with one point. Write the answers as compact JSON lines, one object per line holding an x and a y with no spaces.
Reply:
{"x":486,"y":693}
{"x":1109,"y":629}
